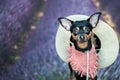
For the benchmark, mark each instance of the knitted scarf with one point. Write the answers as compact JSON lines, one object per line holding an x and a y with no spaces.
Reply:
{"x":78,"y":61}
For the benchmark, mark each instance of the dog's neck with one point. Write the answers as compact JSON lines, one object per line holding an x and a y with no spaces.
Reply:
{"x":83,"y":46}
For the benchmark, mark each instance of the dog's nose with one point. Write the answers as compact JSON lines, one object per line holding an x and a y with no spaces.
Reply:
{"x":82,"y":37}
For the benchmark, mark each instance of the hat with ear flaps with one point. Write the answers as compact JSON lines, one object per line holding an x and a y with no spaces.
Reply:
{"x":109,"y":41}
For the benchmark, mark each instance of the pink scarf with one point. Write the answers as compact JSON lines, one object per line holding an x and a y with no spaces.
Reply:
{"x":78,"y":61}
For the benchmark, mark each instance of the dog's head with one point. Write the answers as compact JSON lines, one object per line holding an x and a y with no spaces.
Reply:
{"x":81,"y":31}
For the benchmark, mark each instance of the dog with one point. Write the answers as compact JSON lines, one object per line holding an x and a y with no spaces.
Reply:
{"x":82,"y":37}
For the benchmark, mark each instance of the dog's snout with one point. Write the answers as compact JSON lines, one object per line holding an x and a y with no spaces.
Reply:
{"x":82,"y":37}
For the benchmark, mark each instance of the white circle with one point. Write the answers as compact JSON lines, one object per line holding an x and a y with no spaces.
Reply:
{"x":109,"y":41}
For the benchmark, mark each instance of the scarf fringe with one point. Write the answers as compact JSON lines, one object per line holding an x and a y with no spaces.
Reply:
{"x":78,"y":62}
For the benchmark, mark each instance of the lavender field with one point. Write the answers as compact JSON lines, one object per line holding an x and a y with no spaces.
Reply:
{"x":27,"y":37}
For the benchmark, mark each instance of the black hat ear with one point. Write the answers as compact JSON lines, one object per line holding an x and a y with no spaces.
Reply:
{"x":66,"y":23}
{"x":94,"y":19}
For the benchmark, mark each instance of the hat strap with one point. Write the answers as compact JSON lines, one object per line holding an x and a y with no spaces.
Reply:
{"x":87,"y":74}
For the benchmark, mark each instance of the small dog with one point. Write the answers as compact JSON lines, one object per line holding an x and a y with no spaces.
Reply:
{"x":82,"y":37}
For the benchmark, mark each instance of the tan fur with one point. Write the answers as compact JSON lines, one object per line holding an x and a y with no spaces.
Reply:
{"x":94,"y":40}
{"x":72,"y":77}
{"x":74,"y":37}
{"x":82,"y":45}
{"x":90,"y":35}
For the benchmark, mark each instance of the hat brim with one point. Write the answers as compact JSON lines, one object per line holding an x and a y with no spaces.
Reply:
{"x":109,"y":41}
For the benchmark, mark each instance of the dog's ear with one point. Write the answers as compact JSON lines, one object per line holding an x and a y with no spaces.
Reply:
{"x":94,"y":19}
{"x":66,"y":23}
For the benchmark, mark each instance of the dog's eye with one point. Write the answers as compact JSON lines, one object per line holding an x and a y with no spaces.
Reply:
{"x":76,"y":30}
{"x":86,"y":29}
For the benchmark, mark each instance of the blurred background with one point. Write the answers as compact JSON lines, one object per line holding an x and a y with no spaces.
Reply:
{"x":27,"y":37}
